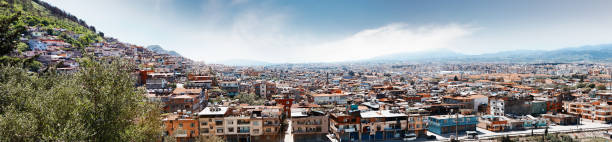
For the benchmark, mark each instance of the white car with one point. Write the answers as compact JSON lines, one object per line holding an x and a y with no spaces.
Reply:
{"x":410,"y":137}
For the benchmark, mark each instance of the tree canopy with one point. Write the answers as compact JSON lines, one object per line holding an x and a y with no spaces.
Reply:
{"x":250,"y":99}
{"x":98,"y":103}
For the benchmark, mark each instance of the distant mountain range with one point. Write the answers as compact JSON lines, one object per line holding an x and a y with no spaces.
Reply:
{"x":243,"y":62}
{"x":159,"y":50}
{"x":584,"y":54}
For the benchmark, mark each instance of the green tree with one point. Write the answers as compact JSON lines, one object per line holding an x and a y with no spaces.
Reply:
{"x":581,"y":85}
{"x":506,"y":139}
{"x":210,"y":139}
{"x":10,"y":31}
{"x":98,"y":103}
{"x":21,"y":47}
{"x":601,"y":87}
{"x":250,"y":99}
{"x":591,"y":85}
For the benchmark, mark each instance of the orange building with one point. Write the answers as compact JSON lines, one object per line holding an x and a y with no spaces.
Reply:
{"x":182,"y":127}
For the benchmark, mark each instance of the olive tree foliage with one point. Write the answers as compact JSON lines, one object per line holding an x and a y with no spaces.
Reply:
{"x":98,"y":103}
{"x":210,"y":139}
{"x":250,"y":99}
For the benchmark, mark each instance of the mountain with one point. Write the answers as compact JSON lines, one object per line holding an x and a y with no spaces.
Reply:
{"x":584,"y":54}
{"x":418,"y":56}
{"x":244,"y":62}
{"x":589,"y":54}
{"x":159,"y":50}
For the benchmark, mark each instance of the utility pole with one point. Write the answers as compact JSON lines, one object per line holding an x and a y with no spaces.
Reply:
{"x":456,"y":126}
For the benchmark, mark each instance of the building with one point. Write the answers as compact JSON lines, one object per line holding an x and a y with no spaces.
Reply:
{"x":595,"y":111}
{"x":308,"y":125}
{"x":185,"y":99}
{"x":537,"y":107}
{"x":330,"y":98}
{"x":468,"y":101}
{"x":502,"y":105}
{"x":181,"y":126}
{"x":493,"y":123}
{"x":561,"y":119}
{"x":230,"y":87}
{"x":417,"y":121}
{"x":442,"y":124}
{"x":383,"y":125}
{"x":345,"y":126}
{"x":211,"y":121}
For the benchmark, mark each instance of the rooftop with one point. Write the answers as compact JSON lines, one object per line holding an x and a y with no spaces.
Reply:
{"x":382,"y":113}
{"x":211,"y":111}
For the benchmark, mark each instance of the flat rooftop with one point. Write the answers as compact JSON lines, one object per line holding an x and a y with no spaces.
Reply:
{"x":208,"y":111}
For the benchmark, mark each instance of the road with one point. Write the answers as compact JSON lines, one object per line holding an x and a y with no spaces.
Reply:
{"x":288,"y":135}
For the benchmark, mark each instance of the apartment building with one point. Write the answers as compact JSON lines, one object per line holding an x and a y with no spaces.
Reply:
{"x":442,"y":124}
{"x":181,"y":126}
{"x":345,"y":125}
{"x":308,"y":125}
{"x":383,"y":125}
{"x":417,"y":121}
{"x":211,"y":121}
{"x":594,"y":111}
{"x":335,"y":98}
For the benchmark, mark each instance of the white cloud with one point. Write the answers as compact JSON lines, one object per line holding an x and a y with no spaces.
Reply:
{"x":393,"y":38}
{"x":264,"y":38}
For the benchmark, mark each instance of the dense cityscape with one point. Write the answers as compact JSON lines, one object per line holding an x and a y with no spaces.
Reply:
{"x":302,"y":102}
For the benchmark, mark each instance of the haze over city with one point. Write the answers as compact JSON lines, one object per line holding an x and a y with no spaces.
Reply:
{"x":316,"y":31}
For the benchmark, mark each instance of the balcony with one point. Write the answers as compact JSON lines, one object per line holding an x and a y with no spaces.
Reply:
{"x":309,"y":123}
{"x":271,"y":124}
{"x":392,"y":128}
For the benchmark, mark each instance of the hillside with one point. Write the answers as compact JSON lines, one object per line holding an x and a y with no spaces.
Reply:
{"x":35,"y":13}
{"x":159,"y":50}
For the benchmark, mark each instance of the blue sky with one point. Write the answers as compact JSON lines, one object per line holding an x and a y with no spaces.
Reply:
{"x":340,"y":30}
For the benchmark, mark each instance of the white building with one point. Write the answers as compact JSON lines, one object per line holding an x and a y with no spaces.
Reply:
{"x":330,"y":98}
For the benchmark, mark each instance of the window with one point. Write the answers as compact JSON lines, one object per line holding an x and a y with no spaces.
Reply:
{"x":230,"y":122}
{"x":180,"y":125}
{"x":219,"y":130}
{"x":255,"y":130}
{"x":268,"y":130}
{"x":204,"y":123}
{"x":192,"y":125}
{"x":218,"y":122}
{"x":204,"y":130}
{"x":243,"y":129}
{"x":255,"y":123}
{"x":230,"y":130}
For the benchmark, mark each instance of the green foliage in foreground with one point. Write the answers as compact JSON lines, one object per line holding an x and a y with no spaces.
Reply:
{"x":98,"y":103}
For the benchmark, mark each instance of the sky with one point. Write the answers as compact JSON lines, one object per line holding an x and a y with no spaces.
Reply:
{"x":299,"y":31}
